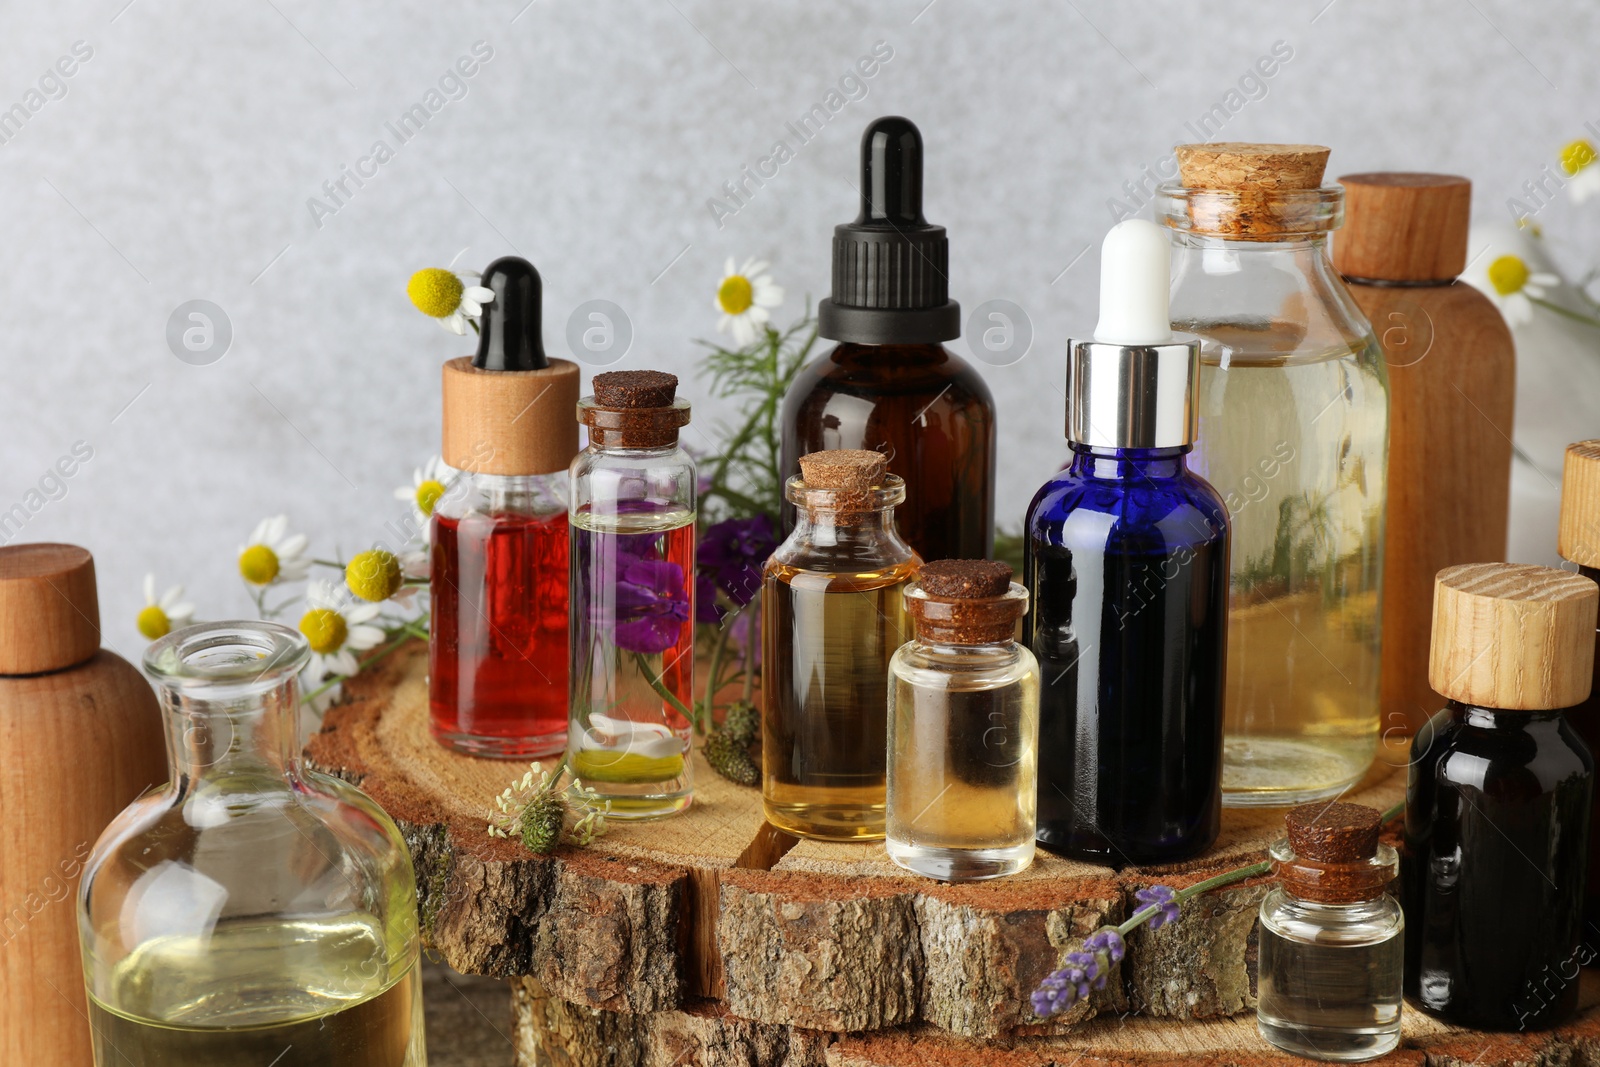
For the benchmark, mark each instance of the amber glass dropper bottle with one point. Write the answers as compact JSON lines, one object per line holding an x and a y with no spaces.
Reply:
{"x":890,"y":385}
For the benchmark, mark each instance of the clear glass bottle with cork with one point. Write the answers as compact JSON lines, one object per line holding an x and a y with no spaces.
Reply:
{"x":1294,"y":430}
{"x":1579,"y":540}
{"x":632,"y":642}
{"x":253,"y":910}
{"x":1497,"y":805}
{"x":832,"y":615}
{"x":1331,"y":956}
{"x":963,"y":727}
{"x":497,"y":666}
{"x":1452,"y":382}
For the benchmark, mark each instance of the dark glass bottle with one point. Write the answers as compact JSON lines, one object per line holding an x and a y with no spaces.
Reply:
{"x":890,"y":385}
{"x":1580,"y":545}
{"x":1126,"y":559}
{"x":1497,"y":807}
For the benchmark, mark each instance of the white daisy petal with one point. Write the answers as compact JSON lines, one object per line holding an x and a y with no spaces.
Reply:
{"x":362,"y":612}
{"x":758,"y":315}
{"x":180,"y":612}
{"x":456,"y":323}
{"x":743,"y":332}
{"x":292,"y":546}
{"x":479,"y":293}
{"x":471,"y":307}
{"x":277,"y":526}
{"x":753,"y":267}
{"x":728,"y":269}
{"x":149,"y":589}
{"x":344,"y":662}
{"x":259,"y":534}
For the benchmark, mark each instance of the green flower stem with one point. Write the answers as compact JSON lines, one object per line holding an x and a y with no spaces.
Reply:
{"x":702,"y":722}
{"x":1576,"y":316}
{"x":328,"y":563}
{"x":661,"y":690}
{"x":1393,"y":813}
{"x":368,"y":662}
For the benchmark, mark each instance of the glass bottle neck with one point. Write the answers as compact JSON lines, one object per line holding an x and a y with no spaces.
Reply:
{"x":1501,"y":718}
{"x":1125,"y":463}
{"x":821,"y":526}
{"x":250,"y":736}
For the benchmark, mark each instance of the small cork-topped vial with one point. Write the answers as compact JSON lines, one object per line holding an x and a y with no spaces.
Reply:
{"x":963,"y":727}
{"x":1580,"y":546}
{"x":832,"y":616}
{"x":632,"y":621}
{"x":1294,"y":432}
{"x":497,"y":668}
{"x":1329,"y":984}
{"x":1498,"y":803}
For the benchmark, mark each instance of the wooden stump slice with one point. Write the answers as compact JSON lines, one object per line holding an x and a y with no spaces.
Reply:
{"x":716,"y":910}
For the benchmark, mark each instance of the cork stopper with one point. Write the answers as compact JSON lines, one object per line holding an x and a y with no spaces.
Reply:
{"x":1513,"y":636}
{"x":1580,"y":504}
{"x":1404,"y":227}
{"x":1333,"y":833}
{"x":1332,"y":854}
{"x":845,"y":470}
{"x":1256,"y":192}
{"x":515,"y":422}
{"x":964,"y":579}
{"x":634,"y":409}
{"x":49,"y":609}
{"x":631,"y":389}
{"x":1241,"y":165}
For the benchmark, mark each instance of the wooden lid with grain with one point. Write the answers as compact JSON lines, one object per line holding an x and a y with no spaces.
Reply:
{"x":1243,"y":165}
{"x":627,"y":389}
{"x":964,"y":579}
{"x":49,"y":609}
{"x":849,"y":470}
{"x":510,"y":422}
{"x":1403,"y":227}
{"x":1580,"y":505}
{"x":1513,"y":636}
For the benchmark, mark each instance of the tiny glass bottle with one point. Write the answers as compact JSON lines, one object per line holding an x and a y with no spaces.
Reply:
{"x":1497,"y":806}
{"x":833,"y":614}
{"x":252,"y":910}
{"x":633,"y":543}
{"x":963,"y":727}
{"x":1579,"y":542}
{"x":1294,"y":433}
{"x":1329,"y":979}
{"x":1126,"y":557}
{"x":497,"y":666}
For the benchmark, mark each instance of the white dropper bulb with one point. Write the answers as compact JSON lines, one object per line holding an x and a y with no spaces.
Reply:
{"x":1135,"y":282}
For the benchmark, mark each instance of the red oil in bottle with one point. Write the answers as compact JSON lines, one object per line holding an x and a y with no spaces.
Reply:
{"x":497,"y":672}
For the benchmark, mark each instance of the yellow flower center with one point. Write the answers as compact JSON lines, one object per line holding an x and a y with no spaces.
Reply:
{"x":435,"y":291}
{"x":1576,"y":156}
{"x":734,"y":295}
{"x":325,"y":629}
{"x":258,"y":564}
{"x":153,"y":622}
{"x":373,"y":575}
{"x":428,"y":494}
{"x":1508,"y":275}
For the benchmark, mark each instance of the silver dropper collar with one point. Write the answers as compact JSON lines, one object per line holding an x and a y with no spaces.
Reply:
{"x":1134,"y":396}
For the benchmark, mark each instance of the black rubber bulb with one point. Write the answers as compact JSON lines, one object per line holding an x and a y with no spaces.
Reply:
{"x":511,"y":337}
{"x":891,"y":173}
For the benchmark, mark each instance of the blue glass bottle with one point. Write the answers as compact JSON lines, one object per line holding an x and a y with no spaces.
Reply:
{"x":1126,"y":560}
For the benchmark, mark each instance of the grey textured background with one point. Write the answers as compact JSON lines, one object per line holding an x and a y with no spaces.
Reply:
{"x":180,"y":160}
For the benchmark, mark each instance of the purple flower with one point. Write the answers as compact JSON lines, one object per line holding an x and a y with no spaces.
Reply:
{"x":1080,"y":973}
{"x":651,"y":604}
{"x":733,"y":550}
{"x":706,"y":608}
{"x":1108,"y":941}
{"x":1162,"y":897}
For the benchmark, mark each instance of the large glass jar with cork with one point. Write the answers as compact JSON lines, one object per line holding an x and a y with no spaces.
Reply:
{"x":1294,"y":430}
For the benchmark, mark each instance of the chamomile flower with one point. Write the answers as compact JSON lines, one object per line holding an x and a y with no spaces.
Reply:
{"x":159,"y":617}
{"x":337,"y":629}
{"x":273,"y":554}
{"x":449,"y":296}
{"x":1513,"y":286}
{"x":1579,"y":160}
{"x":744,"y":297}
{"x":428,"y":483}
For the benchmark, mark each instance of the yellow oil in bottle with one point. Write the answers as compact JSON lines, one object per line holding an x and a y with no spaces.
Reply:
{"x":1298,"y":445}
{"x":824,"y":682}
{"x":301,"y":993}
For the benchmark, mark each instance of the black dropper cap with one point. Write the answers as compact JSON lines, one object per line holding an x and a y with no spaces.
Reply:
{"x":510,"y":335}
{"x":890,"y":266}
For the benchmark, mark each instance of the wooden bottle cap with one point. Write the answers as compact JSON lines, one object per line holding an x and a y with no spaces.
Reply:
{"x":510,"y":422}
{"x":49,"y":608}
{"x":1513,"y":636}
{"x":1401,"y":227}
{"x":1333,"y":833}
{"x":1580,"y":505}
{"x":1242,"y":165}
{"x":850,"y":470}
{"x":627,"y":389}
{"x":964,"y":579}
